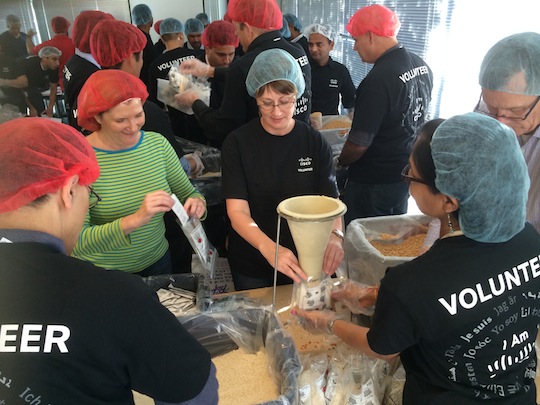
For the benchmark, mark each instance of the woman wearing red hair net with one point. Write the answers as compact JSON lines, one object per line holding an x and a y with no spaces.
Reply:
{"x":72,"y":333}
{"x":139,"y":172}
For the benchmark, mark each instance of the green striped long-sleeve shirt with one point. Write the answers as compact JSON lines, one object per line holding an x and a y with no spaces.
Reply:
{"x":126,"y":177}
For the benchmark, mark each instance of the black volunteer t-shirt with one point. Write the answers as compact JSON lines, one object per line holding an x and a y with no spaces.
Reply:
{"x":464,"y":316}
{"x":265,"y":169}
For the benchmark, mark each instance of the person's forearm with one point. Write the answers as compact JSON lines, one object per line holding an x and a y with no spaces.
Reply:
{"x":351,"y":153}
{"x":355,"y":336}
{"x":246,"y":227}
{"x":20,"y":82}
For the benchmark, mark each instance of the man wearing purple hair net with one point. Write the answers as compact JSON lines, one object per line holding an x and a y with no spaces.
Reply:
{"x":142,"y":18}
{"x":510,"y":80}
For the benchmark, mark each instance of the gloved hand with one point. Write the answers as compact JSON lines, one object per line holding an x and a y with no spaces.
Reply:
{"x":316,"y":322}
{"x":359,"y":298}
{"x":196,"y":165}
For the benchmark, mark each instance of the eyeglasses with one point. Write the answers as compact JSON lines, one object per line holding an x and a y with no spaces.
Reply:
{"x":268,"y":106}
{"x":94,"y":198}
{"x":407,"y":179}
{"x":482,"y":108}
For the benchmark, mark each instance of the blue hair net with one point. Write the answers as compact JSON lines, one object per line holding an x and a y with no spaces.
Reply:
{"x":479,"y":162}
{"x":194,"y":26}
{"x":518,"y":53}
{"x":170,"y":25}
{"x":272,"y":65}
{"x":141,"y":14}
{"x":293,"y":20}
{"x":324,"y":29}
{"x":285,"y":32}
{"x":203,"y":17}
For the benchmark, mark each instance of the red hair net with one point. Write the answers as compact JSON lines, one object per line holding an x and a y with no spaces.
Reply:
{"x":104,"y":90}
{"x":112,"y":41}
{"x":263,"y":14}
{"x":38,"y":155}
{"x":156,"y":26}
{"x":219,"y":33}
{"x":375,"y":18}
{"x":59,"y":24}
{"x":84,"y":25}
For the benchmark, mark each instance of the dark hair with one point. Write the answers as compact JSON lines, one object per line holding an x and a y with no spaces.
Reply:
{"x":118,"y":66}
{"x":279,"y":86}
{"x":421,"y":153}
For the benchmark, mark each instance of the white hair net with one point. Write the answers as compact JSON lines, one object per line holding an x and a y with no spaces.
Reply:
{"x":324,"y":29}
{"x":518,"y":53}
{"x":272,"y":65}
{"x":479,"y":162}
{"x":48,"y":51}
{"x":170,"y":26}
{"x":141,"y":14}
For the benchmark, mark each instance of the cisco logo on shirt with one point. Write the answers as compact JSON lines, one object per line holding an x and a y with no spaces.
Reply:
{"x":305,"y":165}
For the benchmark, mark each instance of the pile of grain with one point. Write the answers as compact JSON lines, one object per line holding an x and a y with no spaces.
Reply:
{"x":245,"y":378}
{"x":408,"y":248}
{"x":337,"y":124}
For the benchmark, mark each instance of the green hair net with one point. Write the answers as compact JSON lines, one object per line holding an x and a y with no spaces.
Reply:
{"x":272,"y":65}
{"x":518,"y":53}
{"x":479,"y":162}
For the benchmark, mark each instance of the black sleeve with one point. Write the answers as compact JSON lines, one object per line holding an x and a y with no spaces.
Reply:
{"x":233,"y":178}
{"x":165,"y":362}
{"x":158,"y":121}
{"x":347,"y":90}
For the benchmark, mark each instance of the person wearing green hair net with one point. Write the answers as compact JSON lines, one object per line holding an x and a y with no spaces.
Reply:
{"x":265,"y":161}
{"x":463,"y":316}
{"x":510,"y":80}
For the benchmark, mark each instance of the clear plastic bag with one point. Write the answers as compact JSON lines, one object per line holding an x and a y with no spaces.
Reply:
{"x":364,"y":262}
{"x":177,"y":84}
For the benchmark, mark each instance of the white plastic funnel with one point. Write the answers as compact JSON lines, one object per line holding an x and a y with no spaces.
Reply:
{"x":310,"y":219}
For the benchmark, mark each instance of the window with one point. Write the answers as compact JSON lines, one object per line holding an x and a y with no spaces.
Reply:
{"x":452,"y":36}
{"x":37,"y":14}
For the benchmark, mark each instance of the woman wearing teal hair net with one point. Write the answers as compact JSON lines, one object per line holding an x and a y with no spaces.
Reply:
{"x":463,"y":316}
{"x":267,"y":160}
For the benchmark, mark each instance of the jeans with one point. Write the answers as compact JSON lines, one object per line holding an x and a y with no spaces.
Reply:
{"x":162,"y":266}
{"x":372,"y":200}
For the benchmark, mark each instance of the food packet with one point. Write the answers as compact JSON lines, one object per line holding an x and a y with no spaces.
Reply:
{"x":177,"y":84}
{"x":198,"y":240}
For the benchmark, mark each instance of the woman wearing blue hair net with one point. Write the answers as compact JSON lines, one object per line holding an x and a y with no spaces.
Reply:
{"x":463,"y":316}
{"x":267,"y":160}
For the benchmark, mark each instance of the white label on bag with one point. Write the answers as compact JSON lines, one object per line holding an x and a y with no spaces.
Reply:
{"x":179,"y":210}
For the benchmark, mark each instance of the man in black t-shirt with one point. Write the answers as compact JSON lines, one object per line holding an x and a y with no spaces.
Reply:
{"x":330,"y":80}
{"x":391,"y":104}
{"x":81,"y":65}
{"x":13,"y":41}
{"x":41,"y":73}
{"x":142,"y":18}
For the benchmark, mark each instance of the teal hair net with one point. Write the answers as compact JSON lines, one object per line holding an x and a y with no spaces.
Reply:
{"x":479,"y":162}
{"x":170,"y":26}
{"x":324,"y":29}
{"x":272,"y":65}
{"x":293,"y":20}
{"x":518,"y":53}
{"x":194,"y":26}
{"x":203,"y":17}
{"x":285,"y":31}
{"x":141,"y":14}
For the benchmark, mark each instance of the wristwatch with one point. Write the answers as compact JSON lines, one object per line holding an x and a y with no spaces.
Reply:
{"x":339,"y":234}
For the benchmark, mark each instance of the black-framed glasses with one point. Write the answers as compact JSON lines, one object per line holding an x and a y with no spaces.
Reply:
{"x":268,"y":106}
{"x":482,"y":108}
{"x":94,"y":198}
{"x":407,"y":179}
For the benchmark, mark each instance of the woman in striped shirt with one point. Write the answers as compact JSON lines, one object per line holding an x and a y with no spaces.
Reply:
{"x":139,"y":172}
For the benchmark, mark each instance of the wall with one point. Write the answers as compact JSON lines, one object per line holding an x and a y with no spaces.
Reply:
{"x":179,"y":9}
